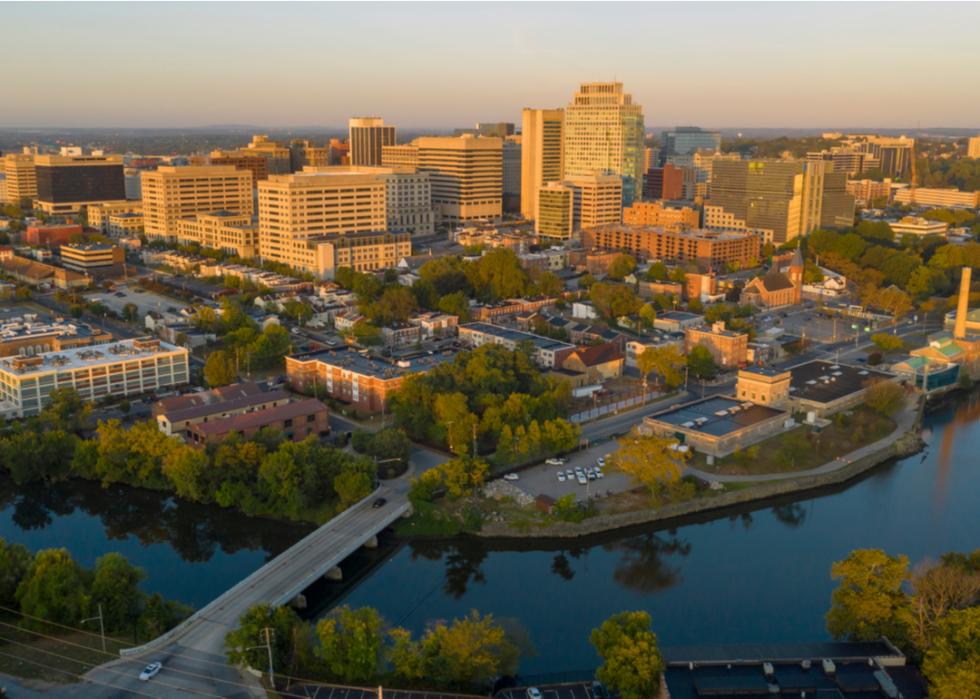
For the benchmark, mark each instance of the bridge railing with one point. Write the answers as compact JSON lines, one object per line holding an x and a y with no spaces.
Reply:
{"x":187,"y":623}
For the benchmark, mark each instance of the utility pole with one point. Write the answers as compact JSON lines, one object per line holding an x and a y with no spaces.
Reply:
{"x":101,"y":625}
{"x":268,"y":633}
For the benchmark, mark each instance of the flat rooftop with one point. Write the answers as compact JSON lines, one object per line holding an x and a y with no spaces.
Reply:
{"x":763,"y":370}
{"x":377,"y":367}
{"x":82,"y":357}
{"x":716,"y":416}
{"x":21,"y":327}
{"x":509,"y":334}
{"x":821,"y":381}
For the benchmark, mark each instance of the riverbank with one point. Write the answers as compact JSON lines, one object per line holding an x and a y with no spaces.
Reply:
{"x":903,"y":441}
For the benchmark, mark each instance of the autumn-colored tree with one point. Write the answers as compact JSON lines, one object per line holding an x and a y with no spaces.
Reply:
{"x":937,"y":589}
{"x":667,"y":362}
{"x":649,"y":458}
{"x":631,"y":660}
{"x":952,"y":664}
{"x":869,"y":601}
{"x":351,"y":642}
{"x":885,"y":397}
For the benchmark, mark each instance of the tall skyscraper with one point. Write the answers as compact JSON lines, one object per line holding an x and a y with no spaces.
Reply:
{"x":541,"y":154}
{"x":788,"y":198}
{"x":467,"y":177}
{"x":296,"y":211}
{"x":603,"y":134}
{"x":973,"y":147}
{"x":21,"y":182}
{"x":512,"y":152}
{"x":367,"y":136}
{"x":67,"y":183}
{"x":684,"y":140}
{"x":598,"y":199}
{"x":555,"y":216}
{"x":172,"y":193}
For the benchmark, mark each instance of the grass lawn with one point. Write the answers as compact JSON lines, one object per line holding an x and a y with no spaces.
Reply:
{"x":803,"y":448}
{"x":58,"y":659}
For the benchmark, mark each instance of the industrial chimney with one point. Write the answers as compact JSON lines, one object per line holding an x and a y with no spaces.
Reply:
{"x":959,"y":332}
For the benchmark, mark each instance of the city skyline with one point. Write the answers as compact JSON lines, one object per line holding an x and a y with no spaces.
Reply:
{"x":756,"y":65}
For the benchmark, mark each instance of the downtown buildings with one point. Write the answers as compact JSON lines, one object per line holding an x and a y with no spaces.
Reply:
{"x":173,"y":193}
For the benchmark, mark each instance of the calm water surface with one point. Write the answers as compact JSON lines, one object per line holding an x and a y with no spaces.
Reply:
{"x":758,"y":574}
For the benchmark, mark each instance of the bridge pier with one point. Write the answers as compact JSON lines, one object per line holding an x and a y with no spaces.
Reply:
{"x":371,"y":543}
{"x":298,"y":602}
{"x":335,"y":574}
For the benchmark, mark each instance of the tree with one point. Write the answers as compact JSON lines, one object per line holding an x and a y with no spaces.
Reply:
{"x":219,"y":369}
{"x":115,"y":586}
{"x":270,"y":347}
{"x":650,"y":459}
{"x":621,"y":266}
{"x":246,"y":644}
{"x":65,"y":410}
{"x":351,"y":642}
{"x":159,"y":615}
{"x":952,"y":664}
{"x":893,"y":300}
{"x":54,"y":589}
{"x":352,"y":486}
{"x":130,"y":312}
{"x":887,"y":342}
{"x":701,"y":362}
{"x":938,"y":589}
{"x":666,"y":361}
{"x":884,"y":397}
{"x":648,"y":313}
{"x":367,"y":334}
{"x":631,"y":661}
{"x":613,"y":300}
{"x":657,"y":272}
{"x":405,"y":655}
{"x":15,"y":560}
{"x":395,"y":305}
{"x":457,"y":304}
{"x":469,"y":652}
{"x":549,"y":284}
{"x":868,"y":601}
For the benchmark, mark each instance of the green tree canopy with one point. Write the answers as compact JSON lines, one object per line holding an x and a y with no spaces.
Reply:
{"x":246,"y":644}
{"x":115,"y":586}
{"x":219,"y":369}
{"x":54,"y":588}
{"x":15,"y":560}
{"x":952,"y":665}
{"x":631,"y":660}
{"x":701,"y":362}
{"x":868,"y":601}
{"x":351,"y":643}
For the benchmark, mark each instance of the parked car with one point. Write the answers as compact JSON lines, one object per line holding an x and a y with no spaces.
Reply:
{"x":581,"y":479}
{"x":599,"y":473}
{"x":601,"y":461}
{"x":561,"y":477}
{"x":150,"y":671}
{"x":511,"y":477}
{"x":533,"y":693}
{"x":568,"y":474}
{"x":599,"y":690}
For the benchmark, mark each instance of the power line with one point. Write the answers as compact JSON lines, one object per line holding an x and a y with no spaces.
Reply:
{"x":73,"y":674}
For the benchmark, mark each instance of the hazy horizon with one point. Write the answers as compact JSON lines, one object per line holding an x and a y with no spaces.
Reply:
{"x":441,"y":65}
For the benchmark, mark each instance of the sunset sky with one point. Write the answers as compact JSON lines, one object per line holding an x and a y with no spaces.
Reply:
{"x":441,"y":65}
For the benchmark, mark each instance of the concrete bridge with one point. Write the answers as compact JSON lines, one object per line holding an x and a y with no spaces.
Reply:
{"x":195,"y":649}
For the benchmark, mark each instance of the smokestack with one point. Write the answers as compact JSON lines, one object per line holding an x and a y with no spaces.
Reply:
{"x":959,"y":332}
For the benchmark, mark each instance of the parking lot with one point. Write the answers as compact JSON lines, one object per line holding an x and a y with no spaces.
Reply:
{"x":314,"y":691}
{"x":145,"y":300}
{"x":817,"y":327}
{"x":576,"y":690}
{"x":543,"y":478}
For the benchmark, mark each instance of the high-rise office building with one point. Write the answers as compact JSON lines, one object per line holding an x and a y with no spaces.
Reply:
{"x":541,"y":154}
{"x":598,"y":199}
{"x":67,"y":183}
{"x":21,"y":180}
{"x":303,"y":153}
{"x":973,"y":147}
{"x":257,"y":164}
{"x":684,"y":140}
{"x":467,"y":177}
{"x":500,"y":129}
{"x":367,"y":137}
{"x":276,"y":153}
{"x":665,"y":182}
{"x":296,"y":211}
{"x":408,"y":201}
{"x":790,"y":198}
{"x":894,"y":155}
{"x":603,"y":134}
{"x":765,"y":194}
{"x":555,"y":215}
{"x":512,"y":152}
{"x":171,"y":193}
{"x":401,"y":155}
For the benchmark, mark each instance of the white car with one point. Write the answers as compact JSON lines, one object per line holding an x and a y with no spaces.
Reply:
{"x":568,"y":474}
{"x":582,"y":480}
{"x":561,"y":477}
{"x":599,"y":473}
{"x":150,"y":671}
{"x":555,"y":462}
{"x":533,"y":693}
{"x":601,"y":461}
{"x":511,"y":477}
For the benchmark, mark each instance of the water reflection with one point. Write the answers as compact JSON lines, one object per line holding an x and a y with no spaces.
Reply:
{"x":195,"y":532}
{"x":463,"y":561}
{"x":644,"y":564}
{"x":791,"y":514}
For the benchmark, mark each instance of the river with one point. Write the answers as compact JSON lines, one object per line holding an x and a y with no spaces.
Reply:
{"x":757,"y":574}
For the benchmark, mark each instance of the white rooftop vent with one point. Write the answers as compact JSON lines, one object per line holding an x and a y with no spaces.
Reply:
{"x":721,"y":413}
{"x":811,"y":382}
{"x":687,"y":424}
{"x":863,"y":372}
{"x":828,"y":666}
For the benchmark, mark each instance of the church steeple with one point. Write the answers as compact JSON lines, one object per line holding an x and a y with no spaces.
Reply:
{"x":795,"y":273}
